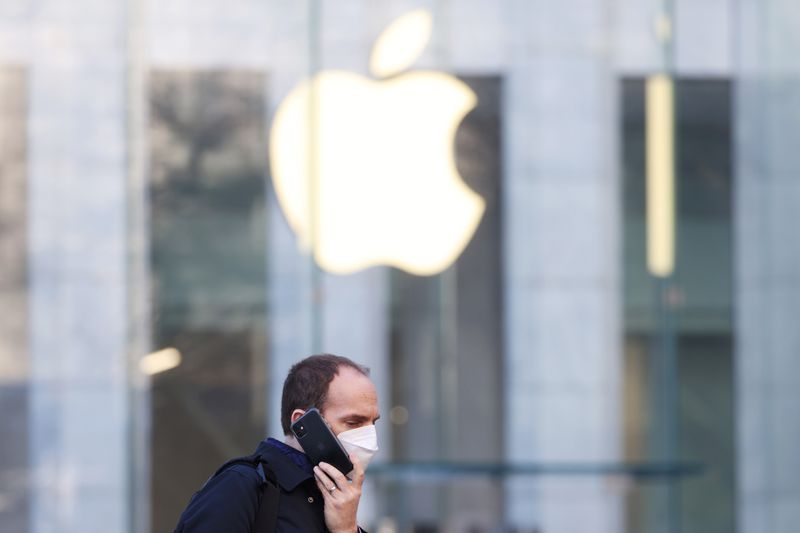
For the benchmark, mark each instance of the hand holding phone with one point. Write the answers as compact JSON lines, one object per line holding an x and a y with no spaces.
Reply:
{"x":319,"y":442}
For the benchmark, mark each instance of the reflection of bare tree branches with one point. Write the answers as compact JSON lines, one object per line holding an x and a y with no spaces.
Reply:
{"x":203,"y":127}
{"x":208,"y":168}
{"x":207,"y":137}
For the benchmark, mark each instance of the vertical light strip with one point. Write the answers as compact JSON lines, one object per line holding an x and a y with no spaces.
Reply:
{"x":138,"y":290}
{"x":660,"y":136}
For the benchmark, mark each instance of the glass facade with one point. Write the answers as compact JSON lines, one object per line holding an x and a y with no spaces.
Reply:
{"x":678,"y":336}
{"x":559,"y":234}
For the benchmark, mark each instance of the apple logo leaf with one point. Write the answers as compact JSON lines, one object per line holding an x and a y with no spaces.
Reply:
{"x":401,"y":43}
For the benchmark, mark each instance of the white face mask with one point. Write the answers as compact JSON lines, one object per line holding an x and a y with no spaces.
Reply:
{"x":361,"y":442}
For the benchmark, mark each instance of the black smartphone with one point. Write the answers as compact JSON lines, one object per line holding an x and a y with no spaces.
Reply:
{"x":319,"y":442}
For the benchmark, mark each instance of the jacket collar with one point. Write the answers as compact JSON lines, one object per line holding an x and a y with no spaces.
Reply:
{"x":288,"y":474}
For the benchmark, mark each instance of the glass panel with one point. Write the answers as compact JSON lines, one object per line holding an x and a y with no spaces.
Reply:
{"x":694,"y":406}
{"x":14,"y":357}
{"x":446,"y":334}
{"x":208,"y":263}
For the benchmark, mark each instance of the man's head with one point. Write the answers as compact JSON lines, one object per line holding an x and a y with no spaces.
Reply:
{"x":340,"y":388}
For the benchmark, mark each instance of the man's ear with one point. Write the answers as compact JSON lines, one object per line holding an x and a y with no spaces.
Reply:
{"x":297,"y":413}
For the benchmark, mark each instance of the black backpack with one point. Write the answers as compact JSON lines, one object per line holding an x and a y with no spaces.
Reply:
{"x":267,"y":513}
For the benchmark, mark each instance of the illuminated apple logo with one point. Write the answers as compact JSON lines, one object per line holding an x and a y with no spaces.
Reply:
{"x":364,"y":169}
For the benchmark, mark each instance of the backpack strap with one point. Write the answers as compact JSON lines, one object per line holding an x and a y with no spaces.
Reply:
{"x":267,"y":514}
{"x":251,"y":460}
{"x":266,"y":519}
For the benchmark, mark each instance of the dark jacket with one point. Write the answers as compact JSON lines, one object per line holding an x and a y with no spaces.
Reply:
{"x":228,"y":503}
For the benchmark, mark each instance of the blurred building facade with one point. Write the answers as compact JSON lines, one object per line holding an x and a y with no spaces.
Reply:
{"x":546,"y":381}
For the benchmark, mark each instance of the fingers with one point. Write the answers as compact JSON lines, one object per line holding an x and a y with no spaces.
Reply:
{"x":333,"y":474}
{"x":326,"y":494}
{"x":332,"y":479}
{"x":325,"y":483}
{"x":341,"y":503}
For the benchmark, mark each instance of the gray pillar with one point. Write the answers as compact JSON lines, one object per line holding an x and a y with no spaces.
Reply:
{"x":77,"y":268}
{"x":768,"y":266}
{"x":563,"y":373}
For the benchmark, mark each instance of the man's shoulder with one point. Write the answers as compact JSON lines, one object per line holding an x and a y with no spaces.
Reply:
{"x":228,"y":501}
{"x":236,"y":478}
{"x":247,"y":473}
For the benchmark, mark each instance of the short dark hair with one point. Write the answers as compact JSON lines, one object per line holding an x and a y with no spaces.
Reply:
{"x":306,"y":385}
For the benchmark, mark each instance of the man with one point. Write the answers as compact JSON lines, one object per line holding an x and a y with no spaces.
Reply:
{"x":280,"y":490}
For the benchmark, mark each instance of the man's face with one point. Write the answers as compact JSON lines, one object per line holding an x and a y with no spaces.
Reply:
{"x":352,"y":401}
